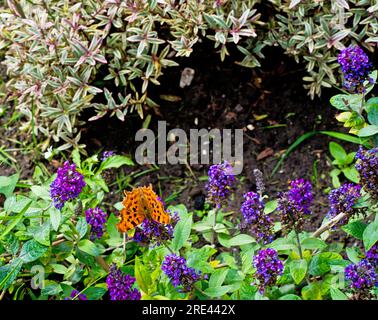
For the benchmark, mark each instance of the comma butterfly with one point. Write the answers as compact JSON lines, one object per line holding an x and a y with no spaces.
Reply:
{"x":139,"y":204}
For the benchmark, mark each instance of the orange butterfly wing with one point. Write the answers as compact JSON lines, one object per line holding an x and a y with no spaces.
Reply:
{"x":155,"y":207}
{"x":132,"y":214}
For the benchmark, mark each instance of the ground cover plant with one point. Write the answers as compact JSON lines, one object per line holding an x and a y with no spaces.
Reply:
{"x":82,"y":219}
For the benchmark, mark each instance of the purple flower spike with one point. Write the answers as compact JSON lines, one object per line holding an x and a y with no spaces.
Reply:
{"x":221,"y":181}
{"x":362,"y":276}
{"x":356,"y":67}
{"x":255,"y":219}
{"x":343,"y":199}
{"x":268,"y":268}
{"x":372,"y":255}
{"x":294,"y":204}
{"x":96,"y":218}
{"x":367,"y":167}
{"x":179,"y":273}
{"x":120,"y":285}
{"x":67,"y":185}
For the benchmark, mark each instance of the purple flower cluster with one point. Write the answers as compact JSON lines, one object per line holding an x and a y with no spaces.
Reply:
{"x":120,"y":285}
{"x":372,"y":255}
{"x":154,"y":232}
{"x":179,"y":273}
{"x":67,"y":185}
{"x":294,"y":204}
{"x":107,"y":154}
{"x":362,"y":276}
{"x":74,"y":293}
{"x":356,"y":67}
{"x":268,"y":268}
{"x":342,"y":200}
{"x":255,"y":219}
{"x":221,"y":181}
{"x":96,"y":218}
{"x":367,"y":167}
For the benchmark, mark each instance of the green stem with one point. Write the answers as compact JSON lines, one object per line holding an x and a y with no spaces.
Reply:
{"x":299,"y":244}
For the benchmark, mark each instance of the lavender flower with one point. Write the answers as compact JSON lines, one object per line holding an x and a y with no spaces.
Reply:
{"x":179,"y":273}
{"x":294,"y":204}
{"x":97,"y":219}
{"x":356,"y":67}
{"x":107,"y":154}
{"x":342,"y":200}
{"x":67,"y":185}
{"x":268,"y":268}
{"x":362,"y":277}
{"x":255,"y":219}
{"x":367,"y":167}
{"x":221,"y":181}
{"x":372,"y":255}
{"x":120,"y":285}
{"x":74,"y":293}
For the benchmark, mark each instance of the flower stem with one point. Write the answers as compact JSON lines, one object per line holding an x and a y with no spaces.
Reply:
{"x":299,"y":244}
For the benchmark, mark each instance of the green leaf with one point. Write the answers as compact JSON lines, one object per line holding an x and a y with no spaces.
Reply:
{"x":312,"y":292}
{"x":41,"y":192}
{"x":51,"y":288}
{"x":270,"y":206}
{"x":142,"y":275}
{"x":298,"y":270}
{"x":9,"y":272}
{"x":353,"y":254}
{"x":31,"y":251}
{"x":373,"y":115}
{"x":42,"y":233}
{"x":337,"y":294}
{"x":370,"y":235}
{"x":351,"y":174}
{"x":337,"y":151}
{"x":111,"y":227}
{"x":76,"y":158}
{"x":81,"y":227}
{"x":214,"y":292}
{"x":8,"y":184}
{"x":239,"y":240}
{"x":182,"y":231}
{"x":321,"y":263}
{"x":59,"y":268}
{"x":88,"y":247}
{"x":342,"y":136}
{"x":94,"y":293}
{"x":282,"y":244}
{"x":313,"y":244}
{"x":55,"y":218}
{"x":290,"y":297}
{"x":15,"y":220}
{"x":368,"y":131}
{"x":355,"y":229}
{"x":340,"y":101}
{"x":115,"y":162}
{"x":218,"y":277}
